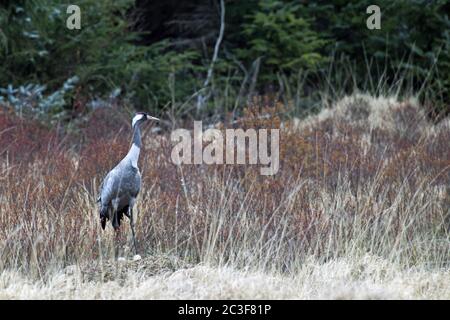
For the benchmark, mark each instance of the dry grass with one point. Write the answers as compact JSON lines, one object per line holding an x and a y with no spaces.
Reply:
{"x":364,"y":278}
{"x":360,"y":206}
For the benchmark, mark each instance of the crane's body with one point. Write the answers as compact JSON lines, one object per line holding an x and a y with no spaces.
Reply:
{"x":122,"y":184}
{"x":119,"y":192}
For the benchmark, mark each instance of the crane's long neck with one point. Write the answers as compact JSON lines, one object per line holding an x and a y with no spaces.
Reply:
{"x":135,"y":149}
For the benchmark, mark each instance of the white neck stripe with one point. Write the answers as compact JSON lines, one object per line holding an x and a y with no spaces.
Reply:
{"x":133,"y":155}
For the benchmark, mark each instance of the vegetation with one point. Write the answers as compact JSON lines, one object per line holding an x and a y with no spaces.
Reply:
{"x":367,"y":179}
{"x":359,"y":207}
{"x":158,"y":54}
{"x":38,"y":48}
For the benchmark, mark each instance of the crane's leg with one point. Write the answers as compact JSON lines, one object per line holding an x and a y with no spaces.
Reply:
{"x":116,"y":243}
{"x":130,"y":211}
{"x":116,"y":226}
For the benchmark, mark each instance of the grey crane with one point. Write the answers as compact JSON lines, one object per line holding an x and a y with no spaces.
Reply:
{"x":121,"y":185}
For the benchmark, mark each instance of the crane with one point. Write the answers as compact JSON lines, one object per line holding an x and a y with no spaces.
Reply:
{"x":122,"y":184}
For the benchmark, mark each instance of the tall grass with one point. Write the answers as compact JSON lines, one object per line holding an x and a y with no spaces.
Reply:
{"x":369,"y":176}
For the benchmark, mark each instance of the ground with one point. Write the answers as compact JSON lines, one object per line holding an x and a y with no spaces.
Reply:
{"x":167,"y":278}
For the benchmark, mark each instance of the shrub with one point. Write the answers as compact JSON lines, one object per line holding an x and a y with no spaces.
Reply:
{"x":38,"y":48}
{"x":282,"y":36}
{"x":30,"y":100}
{"x":347,"y":185}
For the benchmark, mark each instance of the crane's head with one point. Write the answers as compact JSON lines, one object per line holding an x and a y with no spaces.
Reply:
{"x":140,"y":117}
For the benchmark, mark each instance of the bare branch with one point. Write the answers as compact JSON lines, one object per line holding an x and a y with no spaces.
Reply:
{"x":201,"y":100}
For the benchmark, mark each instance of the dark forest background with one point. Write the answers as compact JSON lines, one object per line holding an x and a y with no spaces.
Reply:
{"x":156,"y":55}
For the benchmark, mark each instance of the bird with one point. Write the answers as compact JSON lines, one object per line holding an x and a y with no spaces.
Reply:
{"x":121,"y":186}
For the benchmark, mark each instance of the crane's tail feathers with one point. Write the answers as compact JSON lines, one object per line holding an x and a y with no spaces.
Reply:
{"x":103,"y":217}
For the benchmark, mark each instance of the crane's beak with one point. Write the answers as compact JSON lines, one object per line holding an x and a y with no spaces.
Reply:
{"x":152,"y":118}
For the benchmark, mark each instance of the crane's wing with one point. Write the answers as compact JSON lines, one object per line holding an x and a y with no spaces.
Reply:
{"x":107,"y":188}
{"x":101,"y":188}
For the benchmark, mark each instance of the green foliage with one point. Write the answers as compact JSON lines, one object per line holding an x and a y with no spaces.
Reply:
{"x":30,"y":99}
{"x":409,"y":54}
{"x":37,"y":47}
{"x":282,"y":37}
{"x":300,"y":48}
{"x":413,"y":41}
